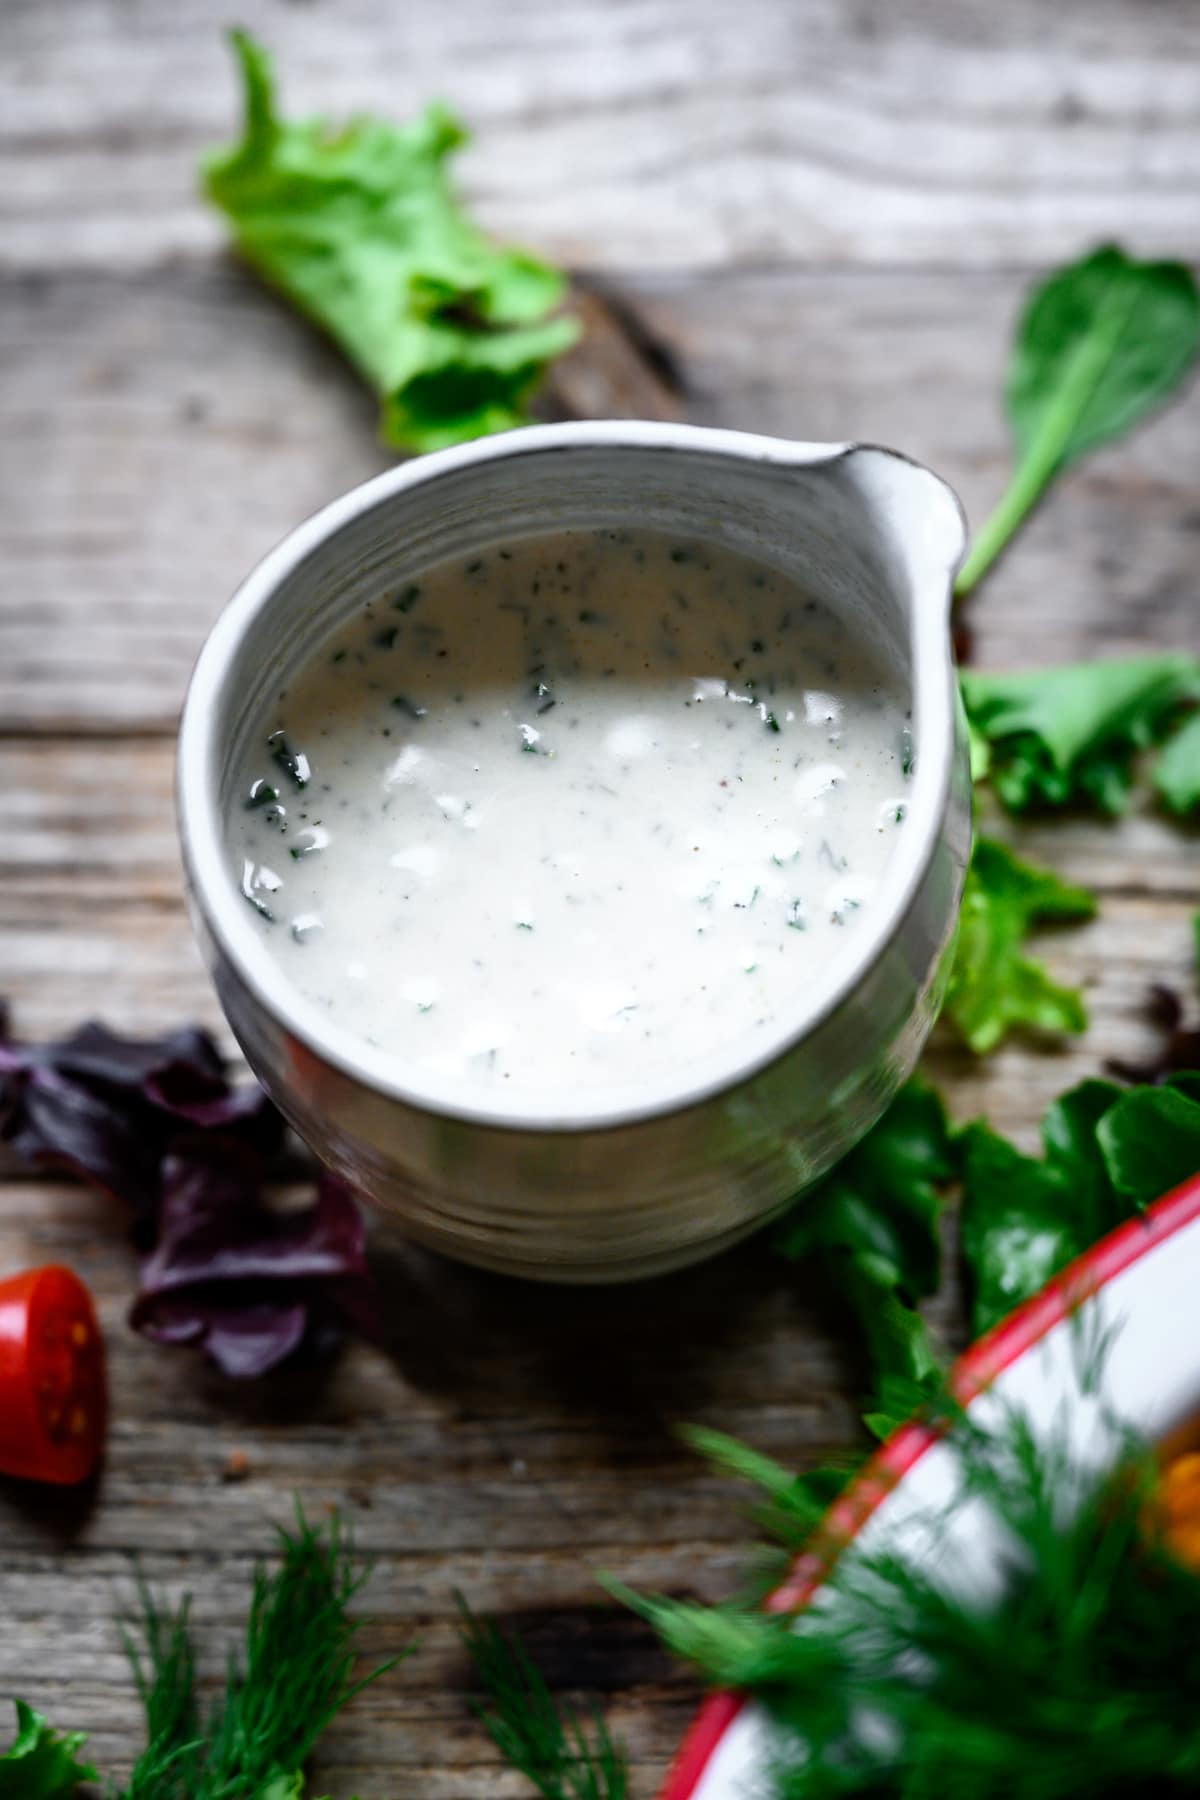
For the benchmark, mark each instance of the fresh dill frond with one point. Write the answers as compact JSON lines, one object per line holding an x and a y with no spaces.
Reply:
{"x":734,"y":1645}
{"x":300,"y":1656}
{"x":795,"y":1505}
{"x":164,"y":1670}
{"x":560,"y":1755}
{"x":296,"y":1674}
{"x":1063,"y":1665}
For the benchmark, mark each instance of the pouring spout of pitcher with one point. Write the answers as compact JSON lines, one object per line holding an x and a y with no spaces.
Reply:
{"x":920,"y":522}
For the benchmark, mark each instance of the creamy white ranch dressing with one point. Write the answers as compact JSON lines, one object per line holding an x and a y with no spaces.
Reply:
{"x":582,"y":809}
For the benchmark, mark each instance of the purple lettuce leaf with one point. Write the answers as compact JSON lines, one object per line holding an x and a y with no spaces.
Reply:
{"x":156,"y":1122}
{"x":1179,"y":1046}
{"x":245,"y":1281}
{"x":50,"y":1120}
{"x":107,"y":1107}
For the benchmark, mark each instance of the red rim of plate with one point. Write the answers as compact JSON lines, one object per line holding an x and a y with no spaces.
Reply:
{"x":974,"y":1371}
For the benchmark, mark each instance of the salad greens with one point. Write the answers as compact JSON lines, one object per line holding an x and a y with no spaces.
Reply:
{"x":1109,"y":1151}
{"x":1177,"y":776}
{"x":1077,"y":1681}
{"x":1067,"y":736}
{"x":1151,"y":1143}
{"x":792,"y":1507}
{"x":1023,"y":1218}
{"x":1099,"y":344}
{"x":1073,"y":1676}
{"x":872,"y":1226}
{"x":994,"y":986}
{"x":873,"y":1223}
{"x":39,"y":1764}
{"x":359,"y":227}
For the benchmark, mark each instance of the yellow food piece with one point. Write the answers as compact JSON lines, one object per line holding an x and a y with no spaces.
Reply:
{"x":1179,"y":1508}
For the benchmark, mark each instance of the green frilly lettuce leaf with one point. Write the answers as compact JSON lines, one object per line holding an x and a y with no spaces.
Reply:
{"x":358,"y":226}
{"x":994,"y":986}
{"x":42,"y":1764}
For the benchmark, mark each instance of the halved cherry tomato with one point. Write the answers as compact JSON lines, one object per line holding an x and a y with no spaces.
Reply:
{"x":53,"y":1401}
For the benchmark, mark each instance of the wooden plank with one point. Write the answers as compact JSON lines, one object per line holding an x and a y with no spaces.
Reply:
{"x":506,"y":1451}
{"x":639,"y":133}
{"x":859,"y":187}
{"x":157,"y":436}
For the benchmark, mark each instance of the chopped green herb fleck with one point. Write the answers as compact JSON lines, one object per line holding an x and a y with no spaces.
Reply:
{"x":294,"y":763}
{"x":403,"y":704}
{"x":408,"y":599}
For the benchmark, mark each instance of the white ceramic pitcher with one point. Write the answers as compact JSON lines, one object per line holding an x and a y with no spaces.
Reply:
{"x":595,"y":1189}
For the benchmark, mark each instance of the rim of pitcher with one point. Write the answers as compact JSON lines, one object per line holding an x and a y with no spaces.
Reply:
{"x":201,"y":818}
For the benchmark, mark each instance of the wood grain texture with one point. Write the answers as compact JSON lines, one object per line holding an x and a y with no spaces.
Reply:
{"x":638,"y":133}
{"x":506,"y":1449}
{"x":814,"y":218}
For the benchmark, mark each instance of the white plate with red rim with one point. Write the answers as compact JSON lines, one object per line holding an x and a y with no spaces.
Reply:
{"x":1139,"y":1286}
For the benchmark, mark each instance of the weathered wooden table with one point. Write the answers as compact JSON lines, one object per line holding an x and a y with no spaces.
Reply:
{"x":826,"y":212}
